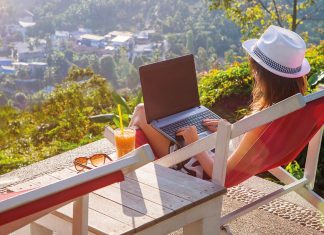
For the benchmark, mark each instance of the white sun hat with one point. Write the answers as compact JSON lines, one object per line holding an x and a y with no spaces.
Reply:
{"x":280,"y":51}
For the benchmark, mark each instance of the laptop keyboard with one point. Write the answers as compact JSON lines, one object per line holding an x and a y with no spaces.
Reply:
{"x":194,"y":120}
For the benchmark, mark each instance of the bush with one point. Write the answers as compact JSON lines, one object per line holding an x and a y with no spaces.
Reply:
{"x":227,"y":92}
{"x":57,"y":124}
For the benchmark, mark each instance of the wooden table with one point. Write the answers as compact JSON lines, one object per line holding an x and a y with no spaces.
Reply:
{"x":152,"y":200}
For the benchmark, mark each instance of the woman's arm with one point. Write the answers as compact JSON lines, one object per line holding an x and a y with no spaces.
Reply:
{"x":248,"y":140}
{"x":206,"y":161}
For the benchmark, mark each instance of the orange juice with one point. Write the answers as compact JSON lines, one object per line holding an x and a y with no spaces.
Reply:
{"x":125,"y":142}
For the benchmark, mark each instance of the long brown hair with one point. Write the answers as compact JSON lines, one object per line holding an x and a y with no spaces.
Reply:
{"x":270,"y":88}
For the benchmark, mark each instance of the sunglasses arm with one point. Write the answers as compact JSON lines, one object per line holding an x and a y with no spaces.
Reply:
{"x":85,"y":166}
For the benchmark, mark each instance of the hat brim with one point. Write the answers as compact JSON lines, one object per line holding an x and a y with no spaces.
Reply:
{"x":248,"y":47}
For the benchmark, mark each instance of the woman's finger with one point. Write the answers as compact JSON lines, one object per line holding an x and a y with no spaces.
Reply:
{"x":211,"y":120}
{"x":212,"y":128}
{"x":181,"y":129}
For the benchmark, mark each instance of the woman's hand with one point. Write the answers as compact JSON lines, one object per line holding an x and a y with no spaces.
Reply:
{"x":189,"y":134}
{"x":211,"y":124}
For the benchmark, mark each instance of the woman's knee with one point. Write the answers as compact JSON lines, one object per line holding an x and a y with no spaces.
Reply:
{"x":138,"y":117}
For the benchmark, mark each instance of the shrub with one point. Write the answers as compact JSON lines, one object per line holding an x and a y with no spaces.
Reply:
{"x":227,"y":92}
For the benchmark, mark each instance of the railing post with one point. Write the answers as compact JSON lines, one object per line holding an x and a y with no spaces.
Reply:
{"x":80,"y":215}
{"x":221,"y":152}
{"x":313,"y":151}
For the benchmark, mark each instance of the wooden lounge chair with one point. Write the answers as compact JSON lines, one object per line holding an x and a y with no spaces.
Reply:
{"x":20,"y":209}
{"x":290,"y":125}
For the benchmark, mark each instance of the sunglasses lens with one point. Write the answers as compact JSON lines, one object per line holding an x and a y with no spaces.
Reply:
{"x":98,"y":159}
{"x":80,"y":163}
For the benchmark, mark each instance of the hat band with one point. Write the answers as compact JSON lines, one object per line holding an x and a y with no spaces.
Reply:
{"x":274,"y":65}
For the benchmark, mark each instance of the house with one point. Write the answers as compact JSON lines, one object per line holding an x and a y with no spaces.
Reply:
{"x":144,"y":37}
{"x":109,"y":50}
{"x":92,"y":40}
{"x":81,"y":31}
{"x":20,"y":65}
{"x":7,"y":70}
{"x":4,"y":61}
{"x":122,"y":41}
{"x":25,"y":25}
{"x":61,"y":35}
{"x":37,"y":69}
{"x":143,"y":50}
{"x":114,"y":34}
{"x":59,"y":38}
{"x":26,"y":53}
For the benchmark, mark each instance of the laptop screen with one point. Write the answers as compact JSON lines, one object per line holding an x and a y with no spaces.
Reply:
{"x":169,"y":87}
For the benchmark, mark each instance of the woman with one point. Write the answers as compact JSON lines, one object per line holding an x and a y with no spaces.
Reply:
{"x":278,"y":66}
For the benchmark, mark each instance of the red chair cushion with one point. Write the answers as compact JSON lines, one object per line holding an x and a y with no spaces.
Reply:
{"x":141,"y":139}
{"x":280,"y":143}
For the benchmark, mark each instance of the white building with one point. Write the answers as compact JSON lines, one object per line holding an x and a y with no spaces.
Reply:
{"x":122,"y":41}
{"x":92,"y":40}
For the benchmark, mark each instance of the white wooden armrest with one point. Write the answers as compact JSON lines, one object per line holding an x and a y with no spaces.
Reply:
{"x":314,"y":96}
{"x":129,"y":163}
{"x":270,"y":114}
{"x":203,"y":144}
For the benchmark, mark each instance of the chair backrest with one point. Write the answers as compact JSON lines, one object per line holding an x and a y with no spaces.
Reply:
{"x":67,"y":190}
{"x":280,"y":142}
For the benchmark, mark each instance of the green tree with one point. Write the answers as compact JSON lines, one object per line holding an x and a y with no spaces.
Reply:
{"x":108,"y":68}
{"x":20,"y":100}
{"x":190,"y":41}
{"x":3,"y":99}
{"x":253,"y":16}
{"x":138,"y":61}
{"x":124,"y":69}
{"x":202,"y":60}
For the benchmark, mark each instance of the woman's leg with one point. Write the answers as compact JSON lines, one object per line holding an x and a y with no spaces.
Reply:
{"x":158,"y":142}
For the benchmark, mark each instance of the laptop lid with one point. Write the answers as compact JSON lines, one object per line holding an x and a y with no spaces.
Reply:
{"x":169,"y":87}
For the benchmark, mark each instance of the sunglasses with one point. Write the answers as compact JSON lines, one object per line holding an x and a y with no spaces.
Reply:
{"x":80,"y":163}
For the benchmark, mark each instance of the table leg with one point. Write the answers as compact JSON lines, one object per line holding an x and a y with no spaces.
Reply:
{"x":208,"y":225}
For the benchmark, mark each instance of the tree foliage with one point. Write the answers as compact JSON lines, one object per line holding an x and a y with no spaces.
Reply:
{"x":57,"y":124}
{"x":254,"y":16}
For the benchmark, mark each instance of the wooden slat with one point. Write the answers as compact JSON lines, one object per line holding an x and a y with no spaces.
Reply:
{"x":117,"y":211}
{"x":100,"y":223}
{"x":184,"y":188}
{"x":113,"y":209}
{"x":178,"y":177}
{"x":163,"y":185}
{"x":168,"y":200}
{"x":149,"y":193}
{"x":134,"y":202}
{"x":147,"y":196}
{"x":22,"y":186}
{"x":65,"y":172}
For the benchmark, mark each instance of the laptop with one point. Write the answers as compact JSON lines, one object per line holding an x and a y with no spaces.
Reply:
{"x":171,"y":98}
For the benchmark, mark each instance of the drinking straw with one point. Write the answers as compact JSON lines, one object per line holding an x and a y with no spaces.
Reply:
{"x":120,"y":119}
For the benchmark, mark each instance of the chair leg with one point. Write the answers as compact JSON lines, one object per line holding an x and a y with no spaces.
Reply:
{"x":313,"y":151}
{"x":80,"y":216}
{"x":225,"y":230}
